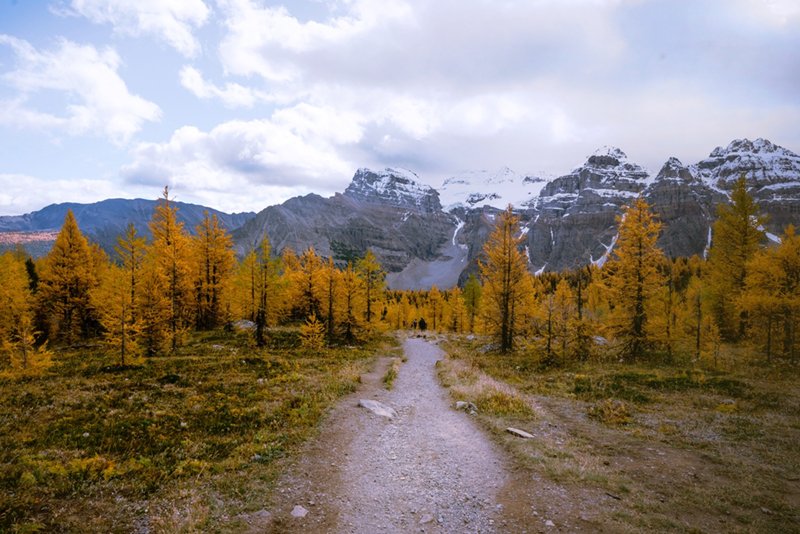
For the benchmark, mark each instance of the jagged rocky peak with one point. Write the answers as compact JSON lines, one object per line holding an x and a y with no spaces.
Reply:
{"x":745,"y":146}
{"x":674,"y":170}
{"x":607,"y":156}
{"x":762,"y":162}
{"x":394,"y":187}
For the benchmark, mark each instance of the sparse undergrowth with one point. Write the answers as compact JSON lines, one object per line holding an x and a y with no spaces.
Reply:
{"x":667,"y":448}
{"x":177,"y":443}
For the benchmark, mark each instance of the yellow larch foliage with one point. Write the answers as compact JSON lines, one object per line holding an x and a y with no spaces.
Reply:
{"x":171,"y":258}
{"x":772,"y":296}
{"x":68,"y":276}
{"x":632,"y":277}
{"x":506,"y":282}
{"x":214,"y":261}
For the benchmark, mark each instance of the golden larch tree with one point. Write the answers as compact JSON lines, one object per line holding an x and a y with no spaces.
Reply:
{"x":374,"y":282}
{"x":171,"y":254}
{"x":633,"y":277}
{"x":506,"y":283}
{"x":68,"y":276}
{"x":736,"y":236}
{"x":214,"y":260}
{"x":772,"y":295}
{"x":17,"y":316}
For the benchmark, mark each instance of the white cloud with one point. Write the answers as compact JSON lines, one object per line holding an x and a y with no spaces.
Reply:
{"x":97,"y":99}
{"x":232,"y":95}
{"x":293,"y":152}
{"x":262,"y":40}
{"x":173,"y":21}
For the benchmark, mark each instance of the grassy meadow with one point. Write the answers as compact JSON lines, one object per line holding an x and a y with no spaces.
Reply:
{"x":189,"y":442}
{"x":646,"y":447}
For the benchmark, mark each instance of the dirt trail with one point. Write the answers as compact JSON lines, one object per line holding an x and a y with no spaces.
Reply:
{"x":430,"y":469}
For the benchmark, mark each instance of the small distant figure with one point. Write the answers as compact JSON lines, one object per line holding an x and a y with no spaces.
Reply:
{"x":423,"y":325}
{"x":414,"y":324}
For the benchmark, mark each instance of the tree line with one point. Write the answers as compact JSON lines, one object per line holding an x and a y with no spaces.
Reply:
{"x":638,"y":305}
{"x":151,"y":295}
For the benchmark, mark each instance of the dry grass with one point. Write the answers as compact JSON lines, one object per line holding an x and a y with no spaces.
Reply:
{"x":181,"y":443}
{"x":489,"y":395}
{"x":648,"y":447}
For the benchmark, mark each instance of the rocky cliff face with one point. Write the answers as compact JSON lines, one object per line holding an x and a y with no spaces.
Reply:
{"x":685,"y":206}
{"x":573,"y":220}
{"x":388,"y":211}
{"x":393,"y":188}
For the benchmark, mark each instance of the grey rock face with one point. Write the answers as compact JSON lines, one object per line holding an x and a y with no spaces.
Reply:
{"x":772,"y":173}
{"x":574,"y":219}
{"x":393,"y":187}
{"x":399,"y":220}
{"x":685,"y":206}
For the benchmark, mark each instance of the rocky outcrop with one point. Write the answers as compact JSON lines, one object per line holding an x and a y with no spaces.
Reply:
{"x":685,"y":207}
{"x":574,"y":220}
{"x":399,"y":219}
{"x":393,"y":187}
{"x":772,"y":173}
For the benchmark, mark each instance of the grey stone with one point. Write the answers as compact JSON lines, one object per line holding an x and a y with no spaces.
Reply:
{"x":467,"y":407}
{"x":378,"y":408}
{"x":519,"y":433}
{"x":299,"y":512}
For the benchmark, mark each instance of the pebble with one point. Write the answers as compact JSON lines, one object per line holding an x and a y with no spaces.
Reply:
{"x":299,"y":512}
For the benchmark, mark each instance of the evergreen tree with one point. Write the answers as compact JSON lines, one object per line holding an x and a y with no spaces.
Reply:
{"x":506,"y":283}
{"x":737,"y":235}
{"x":632,"y":277}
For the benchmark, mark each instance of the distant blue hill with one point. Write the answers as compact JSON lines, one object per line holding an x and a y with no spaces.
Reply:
{"x":103,"y":221}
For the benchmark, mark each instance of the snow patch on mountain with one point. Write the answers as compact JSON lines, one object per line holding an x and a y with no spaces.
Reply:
{"x":395,"y":187}
{"x":498,"y":189}
{"x":764,"y":164}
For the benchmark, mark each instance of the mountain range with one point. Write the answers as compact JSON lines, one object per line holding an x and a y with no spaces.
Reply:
{"x":425,"y":236}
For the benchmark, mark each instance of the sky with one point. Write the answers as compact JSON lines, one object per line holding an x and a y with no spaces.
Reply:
{"x":242,"y":104}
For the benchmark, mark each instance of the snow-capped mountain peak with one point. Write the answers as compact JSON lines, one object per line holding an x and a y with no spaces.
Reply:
{"x":395,"y":187}
{"x":609,"y":152}
{"x":764,"y":164}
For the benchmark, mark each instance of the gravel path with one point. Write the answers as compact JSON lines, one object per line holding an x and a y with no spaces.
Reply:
{"x":430,"y":469}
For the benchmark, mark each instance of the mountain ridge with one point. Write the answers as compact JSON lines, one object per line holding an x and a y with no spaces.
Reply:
{"x":426,"y":236}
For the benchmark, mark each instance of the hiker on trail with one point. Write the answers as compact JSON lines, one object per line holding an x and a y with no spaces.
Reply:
{"x":422,"y":324}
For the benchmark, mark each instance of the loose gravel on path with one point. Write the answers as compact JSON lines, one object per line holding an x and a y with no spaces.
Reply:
{"x":430,"y":469}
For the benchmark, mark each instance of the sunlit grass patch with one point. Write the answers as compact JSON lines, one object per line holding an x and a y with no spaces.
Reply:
{"x":489,"y":395}
{"x":217,"y":418}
